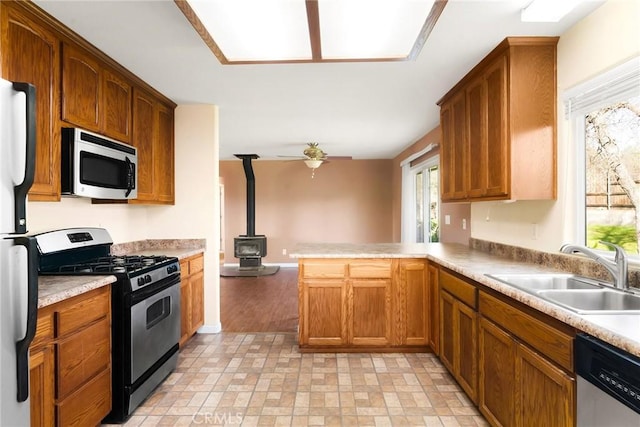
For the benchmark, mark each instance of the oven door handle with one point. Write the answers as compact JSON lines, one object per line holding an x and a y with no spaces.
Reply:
{"x":131,"y":176}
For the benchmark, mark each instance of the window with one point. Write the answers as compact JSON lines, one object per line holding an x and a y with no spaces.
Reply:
{"x":421,"y":198}
{"x":606,"y":115}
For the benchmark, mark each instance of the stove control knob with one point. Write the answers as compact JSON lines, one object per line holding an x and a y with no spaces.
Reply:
{"x":140,"y":281}
{"x":172,"y":269}
{"x":147,"y":278}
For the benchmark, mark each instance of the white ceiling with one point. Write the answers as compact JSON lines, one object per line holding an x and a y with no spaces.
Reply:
{"x":364,"y":110}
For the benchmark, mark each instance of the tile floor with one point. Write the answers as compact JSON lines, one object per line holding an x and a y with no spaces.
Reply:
{"x":260,"y":379}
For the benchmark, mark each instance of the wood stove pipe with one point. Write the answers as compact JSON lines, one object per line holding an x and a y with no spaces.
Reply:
{"x":251,"y":191}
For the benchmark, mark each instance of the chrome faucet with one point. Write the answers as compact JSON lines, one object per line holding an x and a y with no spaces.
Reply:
{"x":618,"y":268}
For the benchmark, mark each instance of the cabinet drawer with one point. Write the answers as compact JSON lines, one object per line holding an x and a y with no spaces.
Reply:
{"x":324,"y":269}
{"x":44,"y":329}
{"x":83,"y":355}
{"x":89,"y":405}
{"x":196,"y":264}
{"x":370,"y":269}
{"x":82,"y":310}
{"x":548,"y":340}
{"x":464,"y":291}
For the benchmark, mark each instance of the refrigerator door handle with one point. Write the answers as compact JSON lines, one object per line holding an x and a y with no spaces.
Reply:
{"x":22,"y":346}
{"x":20,"y":191}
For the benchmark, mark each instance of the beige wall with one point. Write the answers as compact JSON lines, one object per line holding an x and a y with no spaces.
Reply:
{"x":449,"y":233}
{"x":607,"y":37}
{"x":346,"y":201}
{"x":196,"y":207}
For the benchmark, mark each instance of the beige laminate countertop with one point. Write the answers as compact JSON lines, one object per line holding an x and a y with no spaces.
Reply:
{"x":621,"y":330}
{"x":178,"y":253}
{"x":53,"y":289}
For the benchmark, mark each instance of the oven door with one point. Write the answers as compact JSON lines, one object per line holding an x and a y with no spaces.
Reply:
{"x":155,"y":327}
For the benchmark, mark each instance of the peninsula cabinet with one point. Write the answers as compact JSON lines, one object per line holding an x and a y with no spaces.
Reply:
{"x":153,"y":137}
{"x":70,"y":361}
{"x":498,"y":125}
{"x":458,"y":330}
{"x":37,"y":61}
{"x":94,"y":97}
{"x":362,"y":304}
{"x":525,"y":366}
{"x":191,"y":296}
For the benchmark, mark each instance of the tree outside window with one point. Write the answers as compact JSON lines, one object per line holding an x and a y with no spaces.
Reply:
{"x":612,"y":138}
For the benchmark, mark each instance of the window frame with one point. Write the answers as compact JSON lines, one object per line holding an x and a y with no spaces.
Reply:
{"x":408,"y":211}
{"x":611,"y":86}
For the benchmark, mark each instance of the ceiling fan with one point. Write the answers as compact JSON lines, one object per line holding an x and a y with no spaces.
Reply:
{"x":314,"y":156}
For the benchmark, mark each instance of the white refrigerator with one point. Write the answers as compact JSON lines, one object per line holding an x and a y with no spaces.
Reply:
{"x":18,"y":253}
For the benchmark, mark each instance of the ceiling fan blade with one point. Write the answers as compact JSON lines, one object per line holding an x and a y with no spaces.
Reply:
{"x":339,"y":158}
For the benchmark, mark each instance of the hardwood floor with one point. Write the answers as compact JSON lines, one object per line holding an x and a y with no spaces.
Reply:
{"x":260,"y":304}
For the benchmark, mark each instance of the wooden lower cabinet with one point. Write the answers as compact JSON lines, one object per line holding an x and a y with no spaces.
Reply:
{"x":458,"y":331}
{"x":191,"y":296}
{"x":363,"y":303}
{"x":70,"y":361}
{"x":526,"y":367}
{"x":434,"y":309}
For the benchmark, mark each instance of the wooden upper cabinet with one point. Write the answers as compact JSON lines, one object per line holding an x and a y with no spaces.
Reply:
{"x":116,"y":111}
{"x":508,"y":150}
{"x":36,"y":61}
{"x":153,"y":136}
{"x":143,"y":137}
{"x":165,"y":154}
{"x":94,"y":97}
{"x":81,"y":88}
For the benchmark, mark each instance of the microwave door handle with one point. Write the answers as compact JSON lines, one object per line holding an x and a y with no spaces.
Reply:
{"x":130,"y":173}
{"x":20,"y":191}
{"x":22,"y":346}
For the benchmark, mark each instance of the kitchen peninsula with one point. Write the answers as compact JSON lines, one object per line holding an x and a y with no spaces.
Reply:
{"x":326,"y":277}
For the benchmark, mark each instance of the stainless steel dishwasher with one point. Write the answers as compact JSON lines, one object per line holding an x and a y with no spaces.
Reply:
{"x":608,"y":381}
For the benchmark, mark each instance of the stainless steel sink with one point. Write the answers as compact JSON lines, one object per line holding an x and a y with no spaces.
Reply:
{"x":546,"y":281}
{"x":598,"y":301}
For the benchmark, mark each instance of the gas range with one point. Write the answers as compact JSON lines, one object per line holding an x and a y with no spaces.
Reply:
{"x":145,"y":309}
{"x":87,"y":251}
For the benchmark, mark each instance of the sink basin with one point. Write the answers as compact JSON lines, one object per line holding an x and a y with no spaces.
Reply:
{"x":546,"y":281}
{"x":599,"y":301}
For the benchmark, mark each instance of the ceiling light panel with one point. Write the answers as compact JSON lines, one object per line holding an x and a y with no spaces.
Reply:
{"x":370,"y":28}
{"x":257,"y":30}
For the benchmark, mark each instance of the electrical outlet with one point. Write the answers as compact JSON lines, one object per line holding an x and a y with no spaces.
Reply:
{"x":534,"y":231}
{"x":284,"y":252}
{"x":447,"y":219}
{"x":464,"y":223}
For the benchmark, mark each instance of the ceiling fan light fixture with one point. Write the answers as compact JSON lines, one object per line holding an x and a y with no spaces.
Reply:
{"x":313,"y":164}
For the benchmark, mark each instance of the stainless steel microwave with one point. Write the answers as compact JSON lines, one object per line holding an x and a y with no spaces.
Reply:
{"x":97,"y":167}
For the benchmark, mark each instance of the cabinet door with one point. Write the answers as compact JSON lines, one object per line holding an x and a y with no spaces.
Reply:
{"x":185,"y":310}
{"x":454,"y":148}
{"x":476,"y":136}
{"x":370,"y":304}
{"x":466,"y":354}
{"x":545,"y":394}
{"x":81,"y":88}
{"x":434,"y":309}
{"x":144,"y":125}
{"x":414,"y":286}
{"x":164,"y":156}
{"x":31,"y":53}
{"x":497,"y":166}
{"x":197,"y":301}
{"x":324,"y":312}
{"x":116,"y":106}
{"x":447,"y":346}
{"x":460,"y":147}
{"x":41,"y":385}
{"x":497,"y":351}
